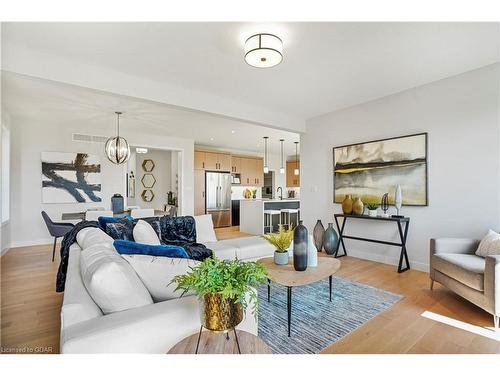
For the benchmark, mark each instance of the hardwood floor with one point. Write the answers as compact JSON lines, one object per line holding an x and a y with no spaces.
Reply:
{"x":30,"y":309}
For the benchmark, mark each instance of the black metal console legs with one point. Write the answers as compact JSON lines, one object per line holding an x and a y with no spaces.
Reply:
{"x":403,"y":235}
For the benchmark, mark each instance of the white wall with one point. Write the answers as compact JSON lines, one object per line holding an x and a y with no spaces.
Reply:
{"x":31,"y":137}
{"x":461,"y":116}
{"x":162,"y":172}
{"x":4,"y":226}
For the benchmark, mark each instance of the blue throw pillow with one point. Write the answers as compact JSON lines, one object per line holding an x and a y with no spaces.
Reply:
{"x":131,"y":247}
{"x":104,"y":220}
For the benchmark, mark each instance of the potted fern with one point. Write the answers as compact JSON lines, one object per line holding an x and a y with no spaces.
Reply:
{"x":224,"y":288}
{"x":281,"y":241}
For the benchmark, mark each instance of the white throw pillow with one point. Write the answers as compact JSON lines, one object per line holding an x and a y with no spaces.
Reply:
{"x":93,"y":236}
{"x":489,"y":245}
{"x":111,"y":281}
{"x":205,"y":229}
{"x":144,"y":233}
{"x":157,"y":272}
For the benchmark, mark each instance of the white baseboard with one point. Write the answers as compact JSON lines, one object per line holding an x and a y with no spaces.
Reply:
{"x":40,"y":241}
{"x":419,"y":266}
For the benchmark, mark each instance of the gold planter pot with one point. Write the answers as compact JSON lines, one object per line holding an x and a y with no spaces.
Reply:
{"x":219,"y":314}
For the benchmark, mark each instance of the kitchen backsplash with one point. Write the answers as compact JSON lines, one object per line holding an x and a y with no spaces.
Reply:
{"x":238,"y":191}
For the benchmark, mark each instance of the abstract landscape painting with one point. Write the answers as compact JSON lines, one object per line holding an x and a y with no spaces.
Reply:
{"x":369,"y":170}
{"x":70,"y":178}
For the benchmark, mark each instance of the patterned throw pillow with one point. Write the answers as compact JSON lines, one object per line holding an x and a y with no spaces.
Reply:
{"x":122,"y":230}
{"x":489,"y":245}
{"x":105,"y":220}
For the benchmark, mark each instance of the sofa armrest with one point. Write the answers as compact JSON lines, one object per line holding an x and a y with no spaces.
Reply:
{"x":453,"y":245}
{"x":152,"y":328}
{"x":492,"y":283}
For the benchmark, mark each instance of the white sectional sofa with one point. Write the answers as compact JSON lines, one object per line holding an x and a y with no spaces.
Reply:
{"x":152,"y":328}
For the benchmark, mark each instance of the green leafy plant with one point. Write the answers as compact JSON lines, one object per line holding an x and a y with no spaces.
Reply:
{"x":281,"y":240}
{"x":372,"y":206}
{"x":232,"y":279}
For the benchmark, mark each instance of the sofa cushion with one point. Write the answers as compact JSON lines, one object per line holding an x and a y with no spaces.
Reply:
{"x":205,"y":229}
{"x":156,"y":273}
{"x":144,"y":233}
{"x":111,"y":281}
{"x":222,"y":250}
{"x":131,"y":247}
{"x":93,"y":236}
{"x":465,"y":268}
{"x":489,"y":245}
{"x":251,"y":247}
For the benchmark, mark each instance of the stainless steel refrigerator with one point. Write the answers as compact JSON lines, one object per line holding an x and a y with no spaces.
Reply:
{"x":218,"y":198}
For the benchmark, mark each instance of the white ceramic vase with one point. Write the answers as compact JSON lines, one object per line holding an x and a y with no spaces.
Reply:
{"x":372,"y":213}
{"x":312,"y":253}
{"x":398,"y":200}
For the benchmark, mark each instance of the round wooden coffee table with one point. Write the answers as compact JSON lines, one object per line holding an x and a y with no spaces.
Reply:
{"x":218,"y":343}
{"x":287,"y":276}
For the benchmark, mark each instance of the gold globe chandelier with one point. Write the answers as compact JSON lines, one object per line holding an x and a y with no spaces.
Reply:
{"x":117,"y":148}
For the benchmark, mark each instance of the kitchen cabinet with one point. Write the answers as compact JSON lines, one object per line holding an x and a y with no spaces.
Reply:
{"x":199,"y":160}
{"x":235,"y":164}
{"x":199,"y":192}
{"x":212,"y":161}
{"x":224,"y":161}
{"x":291,"y":179}
{"x":252,"y":171}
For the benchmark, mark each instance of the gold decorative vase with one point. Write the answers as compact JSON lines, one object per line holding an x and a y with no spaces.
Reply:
{"x":347,"y":205}
{"x":358,"y":207}
{"x":218,"y":313}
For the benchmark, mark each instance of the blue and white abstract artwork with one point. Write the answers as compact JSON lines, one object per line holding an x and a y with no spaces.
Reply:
{"x":70,"y":177}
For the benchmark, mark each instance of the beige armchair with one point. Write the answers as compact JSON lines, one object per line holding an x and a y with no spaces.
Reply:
{"x":477,"y":279}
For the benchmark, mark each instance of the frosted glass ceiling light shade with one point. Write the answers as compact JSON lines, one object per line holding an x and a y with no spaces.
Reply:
{"x":117,"y":148}
{"x":296,"y":171}
{"x":282,"y":167}
{"x":266,"y":167}
{"x":263,"y":50}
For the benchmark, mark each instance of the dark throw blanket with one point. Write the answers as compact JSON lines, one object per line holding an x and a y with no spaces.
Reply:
{"x":180,"y":231}
{"x":68,"y":240}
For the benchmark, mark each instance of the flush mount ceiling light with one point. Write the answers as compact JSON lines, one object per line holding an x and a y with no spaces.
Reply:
{"x":141,"y":150}
{"x":266,"y":167}
{"x":117,"y":148}
{"x":263,"y":50}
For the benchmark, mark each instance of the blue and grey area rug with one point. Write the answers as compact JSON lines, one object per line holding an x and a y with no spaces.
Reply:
{"x":316,"y":322}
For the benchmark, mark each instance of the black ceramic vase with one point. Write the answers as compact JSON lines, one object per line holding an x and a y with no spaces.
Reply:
{"x":300,"y":240}
{"x":330,"y":240}
{"x":318,"y":233}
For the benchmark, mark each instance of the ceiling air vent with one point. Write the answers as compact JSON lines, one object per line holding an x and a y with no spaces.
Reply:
{"x":89,"y":138}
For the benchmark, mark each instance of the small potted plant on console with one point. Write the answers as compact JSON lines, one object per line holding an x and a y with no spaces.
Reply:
{"x":372,"y":209}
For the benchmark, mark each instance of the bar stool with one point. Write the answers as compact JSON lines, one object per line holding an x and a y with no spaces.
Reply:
{"x":268,"y":219}
{"x":287,"y":213}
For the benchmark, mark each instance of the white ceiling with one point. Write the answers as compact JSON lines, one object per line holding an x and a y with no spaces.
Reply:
{"x":327,"y":66}
{"x":43,"y":101}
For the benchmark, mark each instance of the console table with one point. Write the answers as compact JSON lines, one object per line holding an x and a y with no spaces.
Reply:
{"x":403,"y":234}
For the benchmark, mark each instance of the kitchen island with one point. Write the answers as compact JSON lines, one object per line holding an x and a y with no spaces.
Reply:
{"x":252,"y":213}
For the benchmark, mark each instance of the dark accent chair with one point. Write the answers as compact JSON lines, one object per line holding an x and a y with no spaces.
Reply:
{"x":56,"y":230}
